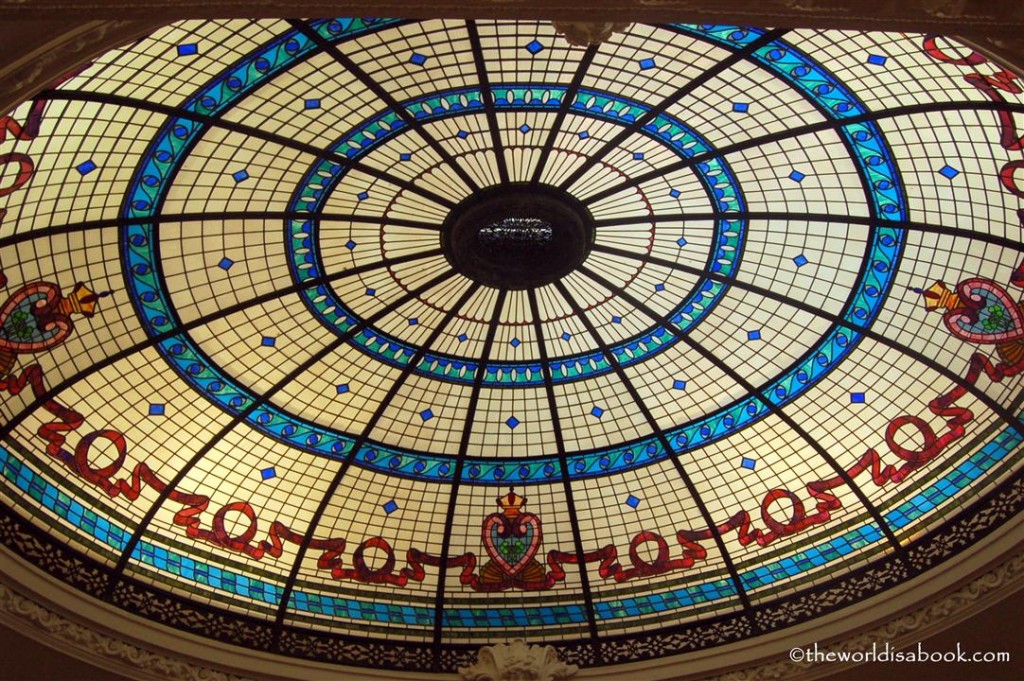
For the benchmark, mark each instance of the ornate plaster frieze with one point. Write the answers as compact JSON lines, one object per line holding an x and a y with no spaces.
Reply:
{"x":911,"y":627}
{"x":99,"y":648}
{"x":35,"y":54}
{"x":1003,"y":16}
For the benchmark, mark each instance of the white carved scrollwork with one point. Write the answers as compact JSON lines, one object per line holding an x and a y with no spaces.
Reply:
{"x":583,"y":33}
{"x":517,"y":661}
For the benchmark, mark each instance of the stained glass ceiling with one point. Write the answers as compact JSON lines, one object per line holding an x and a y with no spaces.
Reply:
{"x":371,"y":341}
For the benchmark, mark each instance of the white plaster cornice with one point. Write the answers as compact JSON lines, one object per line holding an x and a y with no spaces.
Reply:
{"x":1000,"y":16}
{"x":95,"y":647}
{"x":32,"y":56}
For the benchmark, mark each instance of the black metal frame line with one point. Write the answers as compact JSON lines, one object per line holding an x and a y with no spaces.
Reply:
{"x":865,"y":221}
{"x":152,"y":341}
{"x":979,"y":394}
{"x":563,"y":464}
{"x":361,"y":440}
{"x":563,"y":110}
{"x":373,"y":86}
{"x":460,"y":461}
{"x":652,"y":422}
{"x":637,"y":125}
{"x":776,"y":410}
{"x":263,"y":399}
{"x":810,"y":128}
{"x":488,"y":99}
{"x":184,"y":218}
{"x":242,"y":128}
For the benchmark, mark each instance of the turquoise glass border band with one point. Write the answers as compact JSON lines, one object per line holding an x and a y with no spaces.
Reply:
{"x":302,"y":242}
{"x":24,"y":478}
{"x":875,"y":164}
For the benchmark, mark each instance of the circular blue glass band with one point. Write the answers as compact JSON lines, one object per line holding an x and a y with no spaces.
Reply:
{"x":152,"y":178}
{"x":317,"y":185}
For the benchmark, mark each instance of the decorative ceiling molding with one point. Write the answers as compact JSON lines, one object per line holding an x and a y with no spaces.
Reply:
{"x":1002,"y":16}
{"x":100,"y":649}
{"x":34,"y":54}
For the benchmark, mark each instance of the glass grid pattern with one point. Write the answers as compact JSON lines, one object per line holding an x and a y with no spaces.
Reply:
{"x":240,"y":365}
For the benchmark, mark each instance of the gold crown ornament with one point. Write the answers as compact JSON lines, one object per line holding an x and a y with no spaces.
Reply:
{"x":81,"y":300}
{"x":938,"y":296}
{"x":511,"y":503}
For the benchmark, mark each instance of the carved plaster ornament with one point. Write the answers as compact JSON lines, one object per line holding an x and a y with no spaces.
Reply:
{"x":517,"y":661}
{"x":584,"y":33}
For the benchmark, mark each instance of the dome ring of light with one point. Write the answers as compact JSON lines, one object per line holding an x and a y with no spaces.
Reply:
{"x":878,"y":174}
{"x":833,"y":422}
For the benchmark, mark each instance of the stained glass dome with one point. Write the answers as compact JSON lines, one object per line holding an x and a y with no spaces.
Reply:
{"x":370,"y":341}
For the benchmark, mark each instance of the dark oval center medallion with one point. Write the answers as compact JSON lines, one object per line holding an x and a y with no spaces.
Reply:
{"x":517,"y":237}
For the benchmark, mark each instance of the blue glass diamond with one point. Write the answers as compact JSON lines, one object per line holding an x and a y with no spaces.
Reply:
{"x":524,"y":128}
{"x":797,"y":176}
{"x":740,"y":107}
{"x":515,"y":342}
{"x":156,"y":409}
{"x":638,"y":156}
{"x":188,"y":49}
{"x":342,"y":388}
{"x":405,"y":156}
{"x":462,"y":134}
{"x":240,"y":176}
{"x":597,"y":411}
{"x":268,"y":473}
{"x":85,"y":168}
{"x":748,"y":463}
{"x":682,"y":242}
{"x":584,"y":135}
{"x":225,"y":263}
{"x":948,"y":172}
{"x":418,"y":59}
{"x":312,"y":103}
{"x":646,"y":64}
{"x":679,"y":385}
{"x":754,"y":335}
{"x":371,"y":291}
{"x":462,"y":337}
{"x":857,"y":398}
{"x":674,"y":193}
{"x":566,"y":336}
{"x":876,"y":59}
{"x":632,"y":501}
{"x":800,"y":260}
{"x":350,"y":245}
{"x":427,"y":414}
{"x":268,"y":341}
{"x":534,"y":46}
{"x":414,"y":321}
{"x":659,"y":287}
{"x":616,"y":319}
{"x":362,"y":196}
{"x":512,"y":422}
{"x":390,"y":507}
